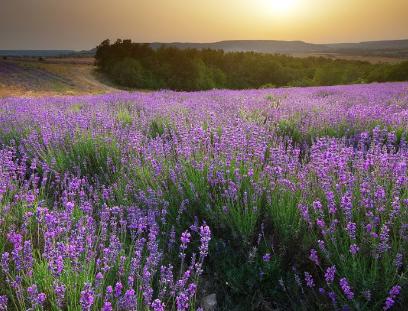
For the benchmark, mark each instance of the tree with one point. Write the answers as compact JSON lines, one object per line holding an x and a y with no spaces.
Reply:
{"x":129,"y":72}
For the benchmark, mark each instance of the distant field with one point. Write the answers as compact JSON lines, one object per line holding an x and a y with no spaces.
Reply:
{"x":52,"y":76}
{"x":364,"y":58}
{"x":29,"y":76}
{"x":70,"y":60}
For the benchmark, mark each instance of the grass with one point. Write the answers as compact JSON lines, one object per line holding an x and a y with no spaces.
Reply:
{"x":52,"y":77}
{"x":97,"y":158}
{"x":124,"y":117}
{"x":158,"y":126}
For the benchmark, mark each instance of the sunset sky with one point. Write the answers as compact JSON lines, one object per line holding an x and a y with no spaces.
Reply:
{"x":82,"y":24}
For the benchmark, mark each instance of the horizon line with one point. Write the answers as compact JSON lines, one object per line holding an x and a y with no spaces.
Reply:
{"x":204,"y":42}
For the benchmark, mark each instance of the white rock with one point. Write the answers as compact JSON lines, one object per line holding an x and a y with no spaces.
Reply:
{"x":209,"y":302}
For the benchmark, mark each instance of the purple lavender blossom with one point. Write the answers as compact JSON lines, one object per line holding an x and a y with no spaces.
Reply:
{"x":205,"y":234}
{"x":3,"y":303}
{"x":395,"y":291}
{"x":354,"y":248}
{"x":351,"y":229}
{"x":389,"y":303}
{"x":392,"y":295}
{"x":129,"y":300}
{"x":59,"y":290}
{"x":5,"y":260}
{"x":314,"y":257}
{"x":107,"y":306}
{"x":157,"y":305}
{"x":182,"y":302}
{"x":330,"y":274}
{"x":266,"y":257}
{"x":346,"y":289}
{"x":87,"y":297}
{"x":41,"y":298}
{"x":309,"y":280}
{"x":118,"y":289}
{"x":317,"y":206}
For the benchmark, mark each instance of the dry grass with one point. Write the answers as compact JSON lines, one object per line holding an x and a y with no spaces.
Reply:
{"x":59,"y":76}
{"x":370,"y":59}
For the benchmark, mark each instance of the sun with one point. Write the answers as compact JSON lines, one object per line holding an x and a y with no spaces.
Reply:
{"x":283,"y":7}
{"x":280,"y":11}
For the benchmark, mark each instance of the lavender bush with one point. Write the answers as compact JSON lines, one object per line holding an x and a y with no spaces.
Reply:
{"x":298,"y":197}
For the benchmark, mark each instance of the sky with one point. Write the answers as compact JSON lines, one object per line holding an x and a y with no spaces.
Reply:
{"x":82,"y":24}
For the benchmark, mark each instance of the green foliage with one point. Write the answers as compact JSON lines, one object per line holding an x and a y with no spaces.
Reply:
{"x":87,"y":155}
{"x":290,"y":128}
{"x":246,"y":275}
{"x":158,"y":126}
{"x":140,"y":66}
{"x":399,"y":73}
{"x":124,"y":117}
{"x":13,"y":136}
{"x":285,"y":218}
{"x":129,"y":72}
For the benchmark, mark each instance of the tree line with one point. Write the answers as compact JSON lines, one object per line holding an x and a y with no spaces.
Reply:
{"x":140,"y":66}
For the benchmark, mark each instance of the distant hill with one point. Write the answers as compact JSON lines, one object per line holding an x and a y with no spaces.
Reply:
{"x":388,"y":48}
{"x":261,"y":46}
{"x":372,"y":45}
{"x":393,"y":48}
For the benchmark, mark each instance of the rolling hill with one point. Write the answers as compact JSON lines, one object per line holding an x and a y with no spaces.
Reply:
{"x":390,"y":48}
{"x":386,"y":48}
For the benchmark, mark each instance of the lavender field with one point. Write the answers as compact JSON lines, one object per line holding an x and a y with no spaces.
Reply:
{"x":272,"y":199}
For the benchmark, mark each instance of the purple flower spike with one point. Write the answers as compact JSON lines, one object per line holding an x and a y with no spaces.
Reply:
{"x":346,"y":289}
{"x":87,"y":297}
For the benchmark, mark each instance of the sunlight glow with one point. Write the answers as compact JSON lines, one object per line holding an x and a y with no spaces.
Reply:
{"x":281,"y":7}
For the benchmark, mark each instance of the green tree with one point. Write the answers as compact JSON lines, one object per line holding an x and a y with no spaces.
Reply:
{"x":130,"y":72}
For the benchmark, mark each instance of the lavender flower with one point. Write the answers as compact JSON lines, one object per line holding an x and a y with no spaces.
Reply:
{"x":389,"y":303}
{"x":205,"y":234}
{"x":157,"y":305}
{"x":314,"y":257}
{"x":346,"y":289}
{"x":351,"y":229}
{"x":395,"y":291}
{"x":41,"y":298}
{"x":128,"y":301}
{"x":5,"y":259}
{"x":266,"y":257}
{"x":107,"y":306}
{"x":182,"y":302}
{"x":3,"y":303}
{"x":59,"y":290}
{"x":185,"y":239}
{"x":118,"y":289}
{"x":87,"y":297}
{"x":354,"y":249}
{"x":390,"y":300}
{"x":309,"y":280}
{"x":330,"y":274}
